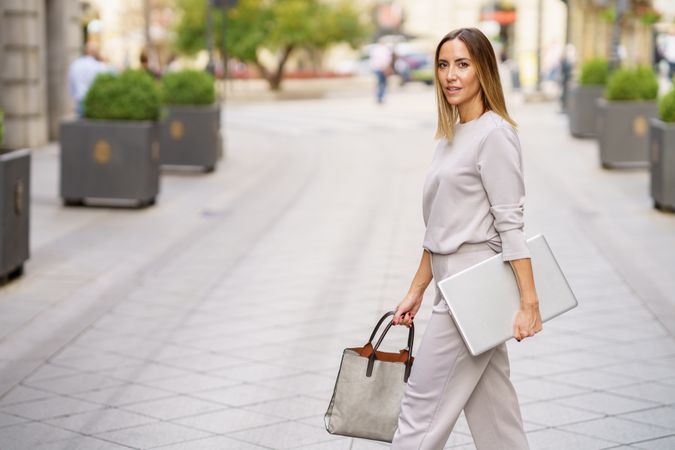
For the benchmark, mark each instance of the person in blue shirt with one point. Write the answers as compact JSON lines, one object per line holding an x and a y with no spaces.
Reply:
{"x":81,"y":75}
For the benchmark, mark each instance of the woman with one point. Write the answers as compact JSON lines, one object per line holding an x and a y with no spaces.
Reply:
{"x":473,"y":208}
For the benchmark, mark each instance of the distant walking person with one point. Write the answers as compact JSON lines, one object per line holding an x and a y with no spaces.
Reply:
{"x":668,"y":52}
{"x":145,"y":65}
{"x":82,"y":73}
{"x":381,"y":60}
{"x":473,"y":205}
{"x":566,"y":68}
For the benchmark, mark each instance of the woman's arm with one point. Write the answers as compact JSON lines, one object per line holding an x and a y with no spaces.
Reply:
{"x":406,"y":310}
{"x":500,"y":165}
{"x":528,"y":319}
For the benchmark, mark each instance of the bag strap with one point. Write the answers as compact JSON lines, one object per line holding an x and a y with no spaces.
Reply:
{"x":377,"y":327}
{"x":411,"y":339}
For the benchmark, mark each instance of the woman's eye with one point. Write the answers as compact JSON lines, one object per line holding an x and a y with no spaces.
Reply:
{"x":463,"y":65}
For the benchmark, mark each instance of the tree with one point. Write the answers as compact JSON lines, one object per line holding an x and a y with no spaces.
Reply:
{"x":281,"y":26}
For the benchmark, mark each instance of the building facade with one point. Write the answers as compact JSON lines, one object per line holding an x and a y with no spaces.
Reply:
{"x":592,"y":22}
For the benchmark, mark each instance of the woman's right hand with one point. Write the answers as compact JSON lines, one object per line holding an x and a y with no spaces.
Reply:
{"x":407,"y":308}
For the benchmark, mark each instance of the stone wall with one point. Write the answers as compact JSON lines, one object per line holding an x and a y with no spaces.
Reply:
{"x":63,"y":46}
{"x":38,"y":39}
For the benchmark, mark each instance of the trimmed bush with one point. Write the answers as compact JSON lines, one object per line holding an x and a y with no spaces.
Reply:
{"x":594,"y":72}
{"x":639,"y":83}
{"x":130,"y":95}
{"x":648,"y":82}
{"x":188,"y":87}
{"x":667,"y":107}
{"x":623,"y":85}
{"x":2,"y":126}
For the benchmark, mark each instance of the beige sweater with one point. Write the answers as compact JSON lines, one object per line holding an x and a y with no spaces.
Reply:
{"x":474,"y":190}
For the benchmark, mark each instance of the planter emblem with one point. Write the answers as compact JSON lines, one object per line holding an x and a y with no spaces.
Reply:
{"x":154,"y":150}
{"x":177,"y":129}
{"x":19,"y":197}
{"x":102,"y":151}
{"x":640,"y":126}
{"x":655,"y":152}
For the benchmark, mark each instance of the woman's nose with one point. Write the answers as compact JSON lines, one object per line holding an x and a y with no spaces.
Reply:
{"x":450,"y":75}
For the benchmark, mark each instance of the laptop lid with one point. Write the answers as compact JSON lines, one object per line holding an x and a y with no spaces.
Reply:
{"x":484,"y":298}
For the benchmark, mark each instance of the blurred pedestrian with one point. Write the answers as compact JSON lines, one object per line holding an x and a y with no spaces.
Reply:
{"x":81,"y":75}
{"x":145,"y":65}
{"x":566,"y":69}
{"x":509,"y":72}
{"x":381,"y":60}
{"x":172,"y":64}
{"x":473,"y":205}
{"x":399,"y":65}
{"x":668,"y":52}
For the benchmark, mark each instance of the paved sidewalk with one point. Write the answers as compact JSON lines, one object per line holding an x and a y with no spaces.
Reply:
{"x":216,"y":319}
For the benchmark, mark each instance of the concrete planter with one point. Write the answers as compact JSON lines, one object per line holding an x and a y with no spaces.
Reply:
{"x":190,"y":136}
{"x":14,"y":212}
{"x":623,"y":128}
{"x":662,"y":164}
{"x":581,"y":110}
{"x":112,"y":160}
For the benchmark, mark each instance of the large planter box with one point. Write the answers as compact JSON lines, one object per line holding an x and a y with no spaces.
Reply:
{"x":623,"y":132}
{"x":102,"y":159}
{"x":581,"y":105}
{"x":14,"y":212}
{"x":190,"y":136}
{"x":662,"y":164}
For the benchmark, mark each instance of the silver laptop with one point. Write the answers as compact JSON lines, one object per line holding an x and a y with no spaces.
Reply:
{"x":484,"y":298}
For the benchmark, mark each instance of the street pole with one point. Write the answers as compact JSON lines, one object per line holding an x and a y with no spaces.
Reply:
{"x":615,"y":58}
{"x":224,"y":8}
{"x":540,"y":14}
{"x":568,"y":21}
{"x":224,"y":49}
{"x":146,"y":27}
{"x":211,"y":65}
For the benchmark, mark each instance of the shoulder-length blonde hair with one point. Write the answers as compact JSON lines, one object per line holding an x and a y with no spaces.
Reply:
{"x":483,"y":57}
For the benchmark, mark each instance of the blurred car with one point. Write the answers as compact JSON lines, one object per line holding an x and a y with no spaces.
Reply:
{"x":415,"y":67}
{"x":425,"y":75}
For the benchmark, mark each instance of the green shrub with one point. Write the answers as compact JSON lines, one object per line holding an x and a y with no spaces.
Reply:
{"x":623,"y":85}
{"x":130,"y":95}
{"x":594,"y":72}
{"x":2,"y":126}
{"x":639,"y":83}
{"x":648,"y":83}
{"x":667,"y":107}
{"x":650,"y":17}
{"x":188,"y":87}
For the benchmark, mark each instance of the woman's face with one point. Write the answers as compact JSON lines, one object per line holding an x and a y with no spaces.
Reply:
{"x":457,"y":74}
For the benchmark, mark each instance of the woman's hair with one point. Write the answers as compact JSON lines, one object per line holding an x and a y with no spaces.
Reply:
{"x":485,"y":62}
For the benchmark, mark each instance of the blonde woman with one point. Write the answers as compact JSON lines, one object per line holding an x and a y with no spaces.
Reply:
{"x":473,"y":208}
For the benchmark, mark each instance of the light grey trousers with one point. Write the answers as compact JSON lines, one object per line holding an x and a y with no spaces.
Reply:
{"x":446,"y":378}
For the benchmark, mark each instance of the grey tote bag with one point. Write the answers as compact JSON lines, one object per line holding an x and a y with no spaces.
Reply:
{"x":367,"y":396}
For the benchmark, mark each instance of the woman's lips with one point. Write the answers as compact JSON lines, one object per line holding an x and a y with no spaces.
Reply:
{"x":452,"y":89}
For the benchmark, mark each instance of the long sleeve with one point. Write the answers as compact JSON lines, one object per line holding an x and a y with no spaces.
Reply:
{"x":72,"y":88}
{"x":499,"y":163}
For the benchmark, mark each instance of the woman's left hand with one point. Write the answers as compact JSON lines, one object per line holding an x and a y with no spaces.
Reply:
{"x":527,"y":321}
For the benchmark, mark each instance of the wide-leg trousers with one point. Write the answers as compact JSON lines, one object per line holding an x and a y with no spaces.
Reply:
{"x":446,"y":379}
